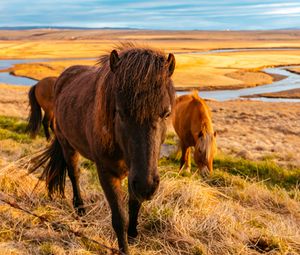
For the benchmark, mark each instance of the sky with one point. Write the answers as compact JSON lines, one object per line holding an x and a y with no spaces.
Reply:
{"x":155,"y":14}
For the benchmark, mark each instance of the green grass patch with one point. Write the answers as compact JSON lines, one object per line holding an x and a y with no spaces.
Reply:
{"x":7,"y":134}
{"x":170,"y":139}
{"x":226,"y":166}
{"x":266,"y":171}
{"x":15,"y":129}
{"x":13,"y":124}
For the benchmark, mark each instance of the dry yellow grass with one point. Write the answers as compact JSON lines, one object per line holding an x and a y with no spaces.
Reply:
{"x":13,"y":100}
{"x":187,"y":216}
{"x":225,"y":214}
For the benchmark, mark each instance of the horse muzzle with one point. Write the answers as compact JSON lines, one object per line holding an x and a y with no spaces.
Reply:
{"x":144,"y":190}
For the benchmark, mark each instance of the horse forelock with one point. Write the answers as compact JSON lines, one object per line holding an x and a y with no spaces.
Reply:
{"x":140,"y":84}
{"x":207,"y":145}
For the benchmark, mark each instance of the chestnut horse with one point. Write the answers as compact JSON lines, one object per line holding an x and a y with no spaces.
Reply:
{"x":41,"y":96}
{"x":115,"y":116}
{"x":193,"y":125}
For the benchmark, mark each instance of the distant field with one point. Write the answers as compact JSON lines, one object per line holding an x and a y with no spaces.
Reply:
{"x":209,"y":71}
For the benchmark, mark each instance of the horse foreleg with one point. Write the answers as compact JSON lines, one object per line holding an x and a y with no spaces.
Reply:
{"x":188,"y":160}
{"x":112,"y":189}
{"x":134,"y":207}
{"x":182,"y":160}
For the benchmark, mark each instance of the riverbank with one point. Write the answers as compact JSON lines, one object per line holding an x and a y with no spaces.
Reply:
{"x":291,"y":94}
{"x":195,"y":67}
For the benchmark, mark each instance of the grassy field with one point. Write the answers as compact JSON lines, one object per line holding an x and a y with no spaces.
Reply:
{"x":245,"y":207}
{"x":249,"y":205}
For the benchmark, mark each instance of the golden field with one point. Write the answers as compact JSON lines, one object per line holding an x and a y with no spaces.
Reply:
{"x":221,"y":70}
{"x":250,"y":204}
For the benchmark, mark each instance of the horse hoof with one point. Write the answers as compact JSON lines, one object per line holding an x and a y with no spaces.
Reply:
{"x":132,"y":234}
{"x":205,"y":174}
{"x":80,"y":211}
{"x":131,"y":240}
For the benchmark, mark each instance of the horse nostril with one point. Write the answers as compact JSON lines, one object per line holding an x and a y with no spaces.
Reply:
{"x":156,"y":180}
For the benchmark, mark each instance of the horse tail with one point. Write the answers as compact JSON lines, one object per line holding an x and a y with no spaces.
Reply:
{"x":55,"y":167}
{"x":35,"y":116}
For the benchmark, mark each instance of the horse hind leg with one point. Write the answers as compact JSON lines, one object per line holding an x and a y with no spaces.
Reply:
{"x":46,"y":124}
{"x":71,"y":156}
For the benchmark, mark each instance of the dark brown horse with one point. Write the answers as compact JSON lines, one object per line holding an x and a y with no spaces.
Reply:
{"x":41,"y":97}
{"x":193,"y":125}
{"x":115,"y":116}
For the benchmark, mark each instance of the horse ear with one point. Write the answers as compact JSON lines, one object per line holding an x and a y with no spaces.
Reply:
{"x":171,"y":64}
{"x":114,"y":60}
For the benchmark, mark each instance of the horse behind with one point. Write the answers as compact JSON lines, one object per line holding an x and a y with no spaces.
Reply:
{"x":41,"y":97}
{"x":114,"y":115}
{"x":193,"y":125}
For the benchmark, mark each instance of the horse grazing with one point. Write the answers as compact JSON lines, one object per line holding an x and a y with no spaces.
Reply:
{"x":113,"y":115}
{"x":193,"y":125}
{"x":41,"y":96}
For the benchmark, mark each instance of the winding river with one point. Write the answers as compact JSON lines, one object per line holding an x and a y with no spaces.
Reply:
{"x":291,"y":82}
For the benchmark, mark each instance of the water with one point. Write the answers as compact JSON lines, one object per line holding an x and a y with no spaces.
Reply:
{"x":5,"y":77}
{"x":291,"y":82}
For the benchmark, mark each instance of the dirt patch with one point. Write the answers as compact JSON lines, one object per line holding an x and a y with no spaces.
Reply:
{"x":258,"y":130}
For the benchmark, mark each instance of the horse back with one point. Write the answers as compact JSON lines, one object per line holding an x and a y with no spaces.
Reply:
{"x":68,"y":75}
{"x":75,"y":92}
{"x":44,"y":93}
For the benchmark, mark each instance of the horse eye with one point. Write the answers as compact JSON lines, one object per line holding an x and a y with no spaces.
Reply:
{"x":166,"y":114}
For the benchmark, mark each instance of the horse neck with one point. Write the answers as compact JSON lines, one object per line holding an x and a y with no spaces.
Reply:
{"x":104,"y":111}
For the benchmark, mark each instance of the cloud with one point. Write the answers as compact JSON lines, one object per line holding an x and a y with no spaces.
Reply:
{"x":284,"y":11}
{"x":155,"y":14}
